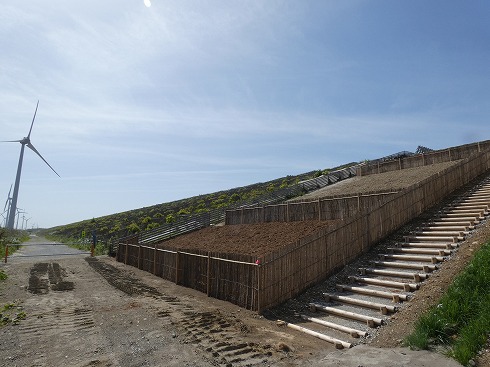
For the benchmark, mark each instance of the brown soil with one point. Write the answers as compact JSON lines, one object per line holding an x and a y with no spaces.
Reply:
{"x":237,"y":239}
{"x":388,"y":181}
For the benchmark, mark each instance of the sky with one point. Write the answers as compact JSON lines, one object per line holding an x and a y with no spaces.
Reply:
{"x":144,"y":105}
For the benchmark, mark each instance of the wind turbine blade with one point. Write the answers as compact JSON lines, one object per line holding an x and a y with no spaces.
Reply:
{"x":10,"y":141}
{"x":39,"y":154}
{"x":32,"y":123}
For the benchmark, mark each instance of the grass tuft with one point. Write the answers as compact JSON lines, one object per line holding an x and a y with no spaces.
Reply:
{"x":460,"y":320}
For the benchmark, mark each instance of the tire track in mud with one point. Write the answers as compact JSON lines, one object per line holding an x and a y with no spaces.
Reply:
{"x":218,"y":336}
{"x":57,"y":316}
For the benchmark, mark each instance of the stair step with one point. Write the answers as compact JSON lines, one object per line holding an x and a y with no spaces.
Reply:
{"x":457,"y":229}
{"x":339,"y":344}
{"x":438,"y":233}
{"x":440,"y":245}
{"x":421,"y":251}
{"x":417,"y":277}
{"x":370,"y":321}
{"x":395,"y":297}
{"x":447,"y":223}
{"x":431,"y":259}
{"x":407,"y":287}
{"x":405,"y":265}
{"x":352,"y":332}
{"x":410,"y":238}
{"x":384,"y":309}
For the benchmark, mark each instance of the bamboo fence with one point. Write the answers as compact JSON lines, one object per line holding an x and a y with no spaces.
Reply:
{"x":258,"y":284}
{"x":418,"y":160}
{"x":326,"y":208}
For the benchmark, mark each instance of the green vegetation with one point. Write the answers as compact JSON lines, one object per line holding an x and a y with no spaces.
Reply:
{"x":133,"y":221}
{"x":460,"y":322}
{"x":11,"y":237}
{"x":123,"y":224}
{"x":11,"y":313}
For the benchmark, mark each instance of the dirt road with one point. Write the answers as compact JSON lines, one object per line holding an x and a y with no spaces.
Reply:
{"x":74,"y":310}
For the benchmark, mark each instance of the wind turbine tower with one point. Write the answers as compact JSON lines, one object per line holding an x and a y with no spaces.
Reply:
{"x":6,"y":208}
{"x":15,"y":196}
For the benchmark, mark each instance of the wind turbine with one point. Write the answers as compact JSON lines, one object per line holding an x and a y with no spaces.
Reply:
{"x":6,"y":208}
{"x":23,"y":142}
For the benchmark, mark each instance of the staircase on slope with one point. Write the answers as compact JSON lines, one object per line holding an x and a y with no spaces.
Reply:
{"x":376,"y":293}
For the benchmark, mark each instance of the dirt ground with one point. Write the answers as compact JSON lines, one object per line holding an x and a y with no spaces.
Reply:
{"x":96,"y":312}
{"x":80,"y":311}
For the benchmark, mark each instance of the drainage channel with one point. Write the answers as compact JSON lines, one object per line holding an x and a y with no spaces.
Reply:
{"x":364,"y":303}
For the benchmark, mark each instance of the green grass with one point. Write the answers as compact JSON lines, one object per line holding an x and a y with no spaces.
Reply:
{"x":461,"y":320}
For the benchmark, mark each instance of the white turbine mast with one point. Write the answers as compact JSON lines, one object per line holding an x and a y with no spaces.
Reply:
{"x":24,"y":142}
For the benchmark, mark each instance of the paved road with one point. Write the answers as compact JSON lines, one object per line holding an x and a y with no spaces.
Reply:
{"x":39,"y":247}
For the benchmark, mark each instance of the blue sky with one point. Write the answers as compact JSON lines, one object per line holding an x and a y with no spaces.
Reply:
{"x":144,"y":105}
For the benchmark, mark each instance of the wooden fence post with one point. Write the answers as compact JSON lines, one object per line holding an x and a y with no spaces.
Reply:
{"x":319,"y":210}
{"x":126,"y":254}
{"x":259,"y":309}
{"x":208,"y":287}
{"x":155,"y":260}
{"x":139,"y":256}
{"x":177,"y":267}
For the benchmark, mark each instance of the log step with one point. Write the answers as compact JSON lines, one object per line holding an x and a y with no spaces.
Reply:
{"x":417,"y":277}
{"x":431,"y":259}
{"x":421,"y":251}
{"x":431,"y":238}
{"x":407,"y":287}
{"x":459,"y":216}
{"x":339,"y":344}
{"x":474,"y":206}
{"x":395,"y":297}
{"x":370,"y":321}
{"x":438,"y":233}
{"x":442,"y":223}
{"x":459,"y":212}
{"x":352,"y":332}
{"x":404,"y":265}
{"x":444,"y":246}
{"x":463,"y":229}
{"x":384,"y":309}
{"x":444,"y":218}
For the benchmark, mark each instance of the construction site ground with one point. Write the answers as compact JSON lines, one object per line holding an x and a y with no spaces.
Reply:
{"x":82,"y":311}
